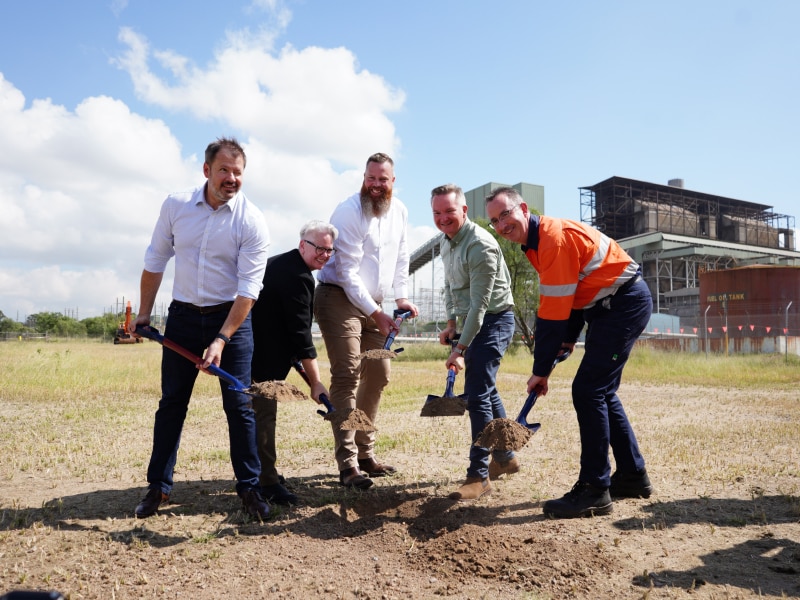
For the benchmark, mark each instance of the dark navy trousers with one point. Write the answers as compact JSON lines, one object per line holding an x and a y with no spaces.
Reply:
{"x":195,"y":331}
{"x":614,"y":324}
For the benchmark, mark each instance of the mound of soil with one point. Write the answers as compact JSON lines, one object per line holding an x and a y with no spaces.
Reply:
{"x":504,"y":434}
{"x":278,"y":390}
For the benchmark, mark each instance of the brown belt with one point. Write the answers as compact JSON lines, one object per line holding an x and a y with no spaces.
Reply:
{"x":331,"y":285}
{"x":204,"y":310}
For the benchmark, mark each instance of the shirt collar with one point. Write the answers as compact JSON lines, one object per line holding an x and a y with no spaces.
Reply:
{"x":533,"y":234}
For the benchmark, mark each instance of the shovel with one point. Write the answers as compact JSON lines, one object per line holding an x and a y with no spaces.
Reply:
{"x":347,"y":419}
{"x":233,"y":383}
{"x":399,"y":316}
{"x":448,"y":405}
{"x":505,"y":434}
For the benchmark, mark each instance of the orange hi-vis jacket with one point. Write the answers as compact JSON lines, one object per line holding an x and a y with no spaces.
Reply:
{"x":577,"y":265}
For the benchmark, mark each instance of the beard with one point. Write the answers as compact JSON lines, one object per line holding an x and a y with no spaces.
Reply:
{"x":375,"y":207}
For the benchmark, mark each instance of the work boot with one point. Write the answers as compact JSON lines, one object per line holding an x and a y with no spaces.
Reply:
{"x":254,"y":504}
{"x":633,"y":484}
{"x":373,"y":468}
{"x":472,"y":489}
{"x":278,"y":494}
{"x":497,"y":468}
{"x":353,"y":479}
{"x":583,"y":500}
{"x":150,"y":503}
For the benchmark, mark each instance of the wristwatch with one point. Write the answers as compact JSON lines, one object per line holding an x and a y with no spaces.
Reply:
{"x":459,"y":350}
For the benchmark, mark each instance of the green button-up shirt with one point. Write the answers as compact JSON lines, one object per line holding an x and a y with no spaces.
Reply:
{"x":477,"y":280}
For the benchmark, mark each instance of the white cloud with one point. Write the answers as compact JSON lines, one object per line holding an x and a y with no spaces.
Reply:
{"x":81,"y":188}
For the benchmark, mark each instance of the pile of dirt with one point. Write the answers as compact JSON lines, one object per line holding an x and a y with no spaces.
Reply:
{"x":504,"y":434}
{"x":445,"y":406}
{"x":350,"y":419}
{"x":278,"y":390}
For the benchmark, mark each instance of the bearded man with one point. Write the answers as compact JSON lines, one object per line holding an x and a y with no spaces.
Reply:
{"x":371,"y":261}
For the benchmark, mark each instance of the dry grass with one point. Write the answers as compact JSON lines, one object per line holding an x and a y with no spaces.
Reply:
{"x":77,"y":426}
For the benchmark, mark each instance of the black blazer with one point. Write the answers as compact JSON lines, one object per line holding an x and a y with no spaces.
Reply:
{"x":282,"y":317}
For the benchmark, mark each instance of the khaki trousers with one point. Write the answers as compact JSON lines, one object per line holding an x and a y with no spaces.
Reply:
{"x":355,"y":383}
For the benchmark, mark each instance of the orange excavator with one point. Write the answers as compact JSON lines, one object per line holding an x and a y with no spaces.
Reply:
{"x":123,"y":335}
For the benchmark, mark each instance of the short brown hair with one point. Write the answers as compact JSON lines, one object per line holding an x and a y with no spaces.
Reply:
{"x":231,"y":144}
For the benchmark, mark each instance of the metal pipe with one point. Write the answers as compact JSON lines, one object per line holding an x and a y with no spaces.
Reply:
{"x":786,"y":330}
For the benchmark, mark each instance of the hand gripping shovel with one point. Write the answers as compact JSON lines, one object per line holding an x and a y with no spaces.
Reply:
{"x":505,"y":434}
{"x":448,"y":405}
{"x":347,"y":419}
{"x":233,"y":383}
{"x":399,"y":316}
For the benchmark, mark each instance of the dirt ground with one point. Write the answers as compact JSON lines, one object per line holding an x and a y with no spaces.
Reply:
{"x":735,"y":534}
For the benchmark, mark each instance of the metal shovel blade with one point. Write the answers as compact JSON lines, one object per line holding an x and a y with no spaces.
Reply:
{"x":448,"y":405}
{"x":349,"y":419}
{"x":399,"y":316}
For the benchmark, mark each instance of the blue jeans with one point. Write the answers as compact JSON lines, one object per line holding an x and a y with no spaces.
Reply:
{"x":484,"y":404}
{"x":195,"y":332}
{"x":614,"y":325}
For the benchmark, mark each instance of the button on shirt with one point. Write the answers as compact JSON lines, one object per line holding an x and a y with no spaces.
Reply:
{"x":371,"y":254}
{"x":477,"y":280}
{"x":219,"y":254}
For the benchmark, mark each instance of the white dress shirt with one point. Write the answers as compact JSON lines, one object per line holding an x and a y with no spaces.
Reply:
{"x":219,"y":254}
{"x":371,"y":254}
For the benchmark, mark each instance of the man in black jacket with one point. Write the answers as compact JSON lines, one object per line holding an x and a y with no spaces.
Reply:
{"x":282,"y":318}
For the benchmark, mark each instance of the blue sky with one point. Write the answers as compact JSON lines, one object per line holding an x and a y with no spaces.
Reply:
{"x":106,"y":106}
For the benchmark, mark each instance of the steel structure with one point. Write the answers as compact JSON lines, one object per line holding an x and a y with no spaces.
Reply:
{"x":676,"y":234}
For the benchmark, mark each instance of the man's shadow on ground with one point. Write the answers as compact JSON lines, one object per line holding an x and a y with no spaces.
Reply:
{"x":768,"y":565}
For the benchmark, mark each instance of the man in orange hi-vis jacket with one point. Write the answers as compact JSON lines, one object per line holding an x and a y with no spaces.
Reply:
{"x":585,"y":277}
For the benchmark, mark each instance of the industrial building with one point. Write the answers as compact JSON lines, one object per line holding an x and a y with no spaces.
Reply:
{"x":677,"y":234}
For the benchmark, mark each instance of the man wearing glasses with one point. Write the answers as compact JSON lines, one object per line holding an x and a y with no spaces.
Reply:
{"x":282,"y":318}
{"x":371,"y":261}
{"x":584,"y":278}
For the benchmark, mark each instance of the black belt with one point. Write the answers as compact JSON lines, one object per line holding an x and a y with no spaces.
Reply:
{"x":331,"y":285}
{"x":204,"y":310}
{"x":629,"y":284}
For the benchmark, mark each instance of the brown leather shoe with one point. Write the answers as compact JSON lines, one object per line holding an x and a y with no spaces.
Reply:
{"x":472,"y":489}
{"x":375,"y":469}
{"x":352,"y":478}
{"x":254,"y":504}
{"x":497,"y":468}
{"x":150,"y":503}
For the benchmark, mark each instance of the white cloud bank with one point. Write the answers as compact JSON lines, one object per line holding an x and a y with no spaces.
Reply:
{"x":81,"y":189}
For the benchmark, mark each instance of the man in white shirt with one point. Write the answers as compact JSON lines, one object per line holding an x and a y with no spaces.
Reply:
{"x":371,"y":259}
{"x":219,"y":240}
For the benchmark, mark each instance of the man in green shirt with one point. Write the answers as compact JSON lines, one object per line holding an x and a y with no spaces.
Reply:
{"x":477,"y":290}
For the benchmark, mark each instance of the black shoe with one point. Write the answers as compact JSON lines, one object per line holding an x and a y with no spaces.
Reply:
{"x":634,"y":484}
{"x":254,"y":504}
{"x":583,"y":500}
{"x":278,"y":494}
{"x":150,"y":503}
{"x":373,"y":468}
{"x":352,"y":478}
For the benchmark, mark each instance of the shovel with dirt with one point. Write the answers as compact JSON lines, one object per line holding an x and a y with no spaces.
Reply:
{"x":448,"y":405}
{"x":400,"y":315}
{"x":346,"y":419}
{"x":505,"y":434}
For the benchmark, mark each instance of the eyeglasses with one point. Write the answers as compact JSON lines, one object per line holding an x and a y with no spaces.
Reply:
{"x":320,"y":250}
{"x":502,"y":217}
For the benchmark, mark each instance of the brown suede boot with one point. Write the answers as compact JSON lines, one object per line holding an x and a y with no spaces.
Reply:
{"x":497,"y":468}
{"x":472,"y":489}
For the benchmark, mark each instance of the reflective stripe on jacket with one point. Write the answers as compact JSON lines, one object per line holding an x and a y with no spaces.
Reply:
{"x":577,"y":265}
